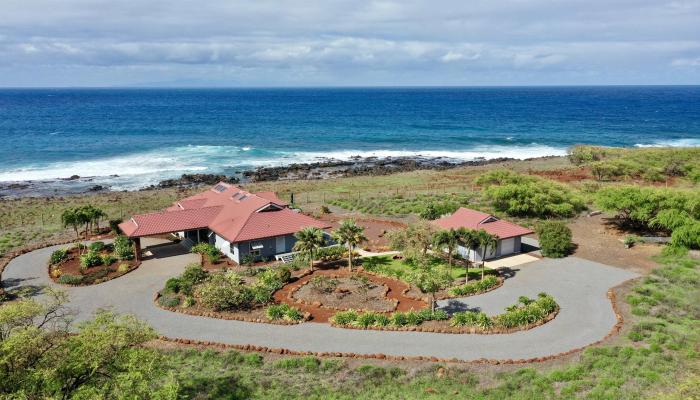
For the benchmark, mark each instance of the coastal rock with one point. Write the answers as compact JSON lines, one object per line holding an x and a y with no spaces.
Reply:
{"x":193,"y":180}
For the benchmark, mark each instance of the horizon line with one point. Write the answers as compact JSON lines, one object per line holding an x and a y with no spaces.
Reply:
{"x":344,"y":87}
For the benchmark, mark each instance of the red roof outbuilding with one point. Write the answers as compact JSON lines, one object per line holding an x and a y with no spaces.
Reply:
{"x":472,"y":219}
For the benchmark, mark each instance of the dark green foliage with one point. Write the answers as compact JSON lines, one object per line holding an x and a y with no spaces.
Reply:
{"x":58,"y":256}
{"x":475,"y":287}
{"x":172,"y":285}
{"x":114,"y":226}
{"x":427,"y":206}
{"x":97,"y":246}
{"x":108,"y":259}
{"x":529,"y":196}
{"x":283,"y":311}
{"x":555,"y":239}
{"x":471,"y":318}
{"x":207,"y":250}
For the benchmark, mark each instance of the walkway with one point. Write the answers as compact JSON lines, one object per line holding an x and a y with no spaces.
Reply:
{"x":578,"y":285}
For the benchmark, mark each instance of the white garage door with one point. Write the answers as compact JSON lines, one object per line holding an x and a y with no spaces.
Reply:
{"x":507,"y":246}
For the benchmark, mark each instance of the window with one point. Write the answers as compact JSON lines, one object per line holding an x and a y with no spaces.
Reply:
{"x":255,"y":248}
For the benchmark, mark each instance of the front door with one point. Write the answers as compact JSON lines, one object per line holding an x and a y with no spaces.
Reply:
{"x":281,"y":245}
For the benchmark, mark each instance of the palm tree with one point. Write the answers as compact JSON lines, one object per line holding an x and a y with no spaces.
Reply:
{"x":468,"y":239}
{"x":350,"y":234}
{"x":449,"y":239}
{"x":309,"y":240}
{"x":70,"y":218}
{"x":486,"y":241}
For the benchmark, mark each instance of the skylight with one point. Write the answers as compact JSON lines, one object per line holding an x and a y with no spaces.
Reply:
{"x":245,"y":196}
{"x":219,"y":188}
{"x":235,"y":195}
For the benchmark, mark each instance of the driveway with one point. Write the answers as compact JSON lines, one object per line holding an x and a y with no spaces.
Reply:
{"x":579,"y":286}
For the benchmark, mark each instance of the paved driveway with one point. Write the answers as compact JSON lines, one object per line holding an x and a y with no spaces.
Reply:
{"x":578,"y":285}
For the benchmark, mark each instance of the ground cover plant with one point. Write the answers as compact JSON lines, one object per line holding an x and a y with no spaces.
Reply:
{"x":428,"y":206}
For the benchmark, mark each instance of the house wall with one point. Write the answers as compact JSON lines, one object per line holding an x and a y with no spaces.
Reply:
{"x":224,"y":246}
{"x":269,"y":249}
{"x":476,"y":254}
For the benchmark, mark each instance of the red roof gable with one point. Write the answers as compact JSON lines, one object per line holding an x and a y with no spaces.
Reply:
{"x":472,"y":219}
{"x":233,"y":213}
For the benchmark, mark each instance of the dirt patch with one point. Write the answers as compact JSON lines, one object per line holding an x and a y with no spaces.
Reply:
{"x":355,"y":292}
{"x":598,"y":239}
{"x":375,"y":230}
{"x":396,"y":293}
{"x":565,"y":175}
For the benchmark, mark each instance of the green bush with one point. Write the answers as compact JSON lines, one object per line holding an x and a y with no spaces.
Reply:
{"x":123,"y":248}
{"x":123,"y":268}
{"x":108,"y":259}
{"x":687,"y":236}
{"x":194,"y":274}
{"x":172,"y":285}
{"x":554,"y":238}
{"x":97,"y":246}
{"x":475,"y":287}
{"x":68,"y":279}
{"x":344,"y":317}
{"x":332,"y":253}
{"x":437,"y":315}
{"x":114,"y":226}
{"x":90,"y":259}
{"x":208,"y":250}
{"x":58,"y":256}
{"x":169,"y":301}
{"x":526,"y":312}
{"x":366,"y":319}
{"x":529,"y":196}
{"x":224,"y":291}
{"x":248,"y":259}
{"x":471,"y":318}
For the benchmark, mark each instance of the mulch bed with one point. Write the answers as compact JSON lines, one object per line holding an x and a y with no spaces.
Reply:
{"x":93,"y":275}
{"x":345,"y":293}
{"x":319,"y":313}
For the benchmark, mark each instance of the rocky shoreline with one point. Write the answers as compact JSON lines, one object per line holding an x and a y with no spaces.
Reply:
{"x":323,"y":169}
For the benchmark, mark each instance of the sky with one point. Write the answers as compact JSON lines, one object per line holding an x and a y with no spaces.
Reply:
{"x":57,"y":43}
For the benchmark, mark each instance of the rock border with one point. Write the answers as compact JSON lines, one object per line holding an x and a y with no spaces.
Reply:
{"x":55,"y":280}
{"x":293,"y":300}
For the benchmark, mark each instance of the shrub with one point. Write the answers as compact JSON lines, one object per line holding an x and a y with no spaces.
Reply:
{"x":97,"y":246}
{"x":366,"y":319}
{"x":90,"y":259}
{"x":123,"y":268}
{"x":248,"y":259}
{"x":169,"y":301}
{"x":471,"y":318}
{"x":527,"y":312}
{"x":344,"y":317}
{"x":323,"y":284}
{"x":123,"y":248}
{"x":108,"y":259}
{"x":172,"y":285}
{"x":68,"y":279}
{"x":398,"y":319}
{"x":437,"y":315}
{"x":687,"y":236}
{"x":114,"y":226}
{"x":529,"y":196}
{"x":189,"y":301}
{"x":194,"y":274}
{"x":554,"y":238}
{"x":58,"y":256}
{"x":475,"y":287}
{"x":223,"y":290}
{"x":332,"y":253}
{"x":208,"y":250}
{"x":283,"y":311}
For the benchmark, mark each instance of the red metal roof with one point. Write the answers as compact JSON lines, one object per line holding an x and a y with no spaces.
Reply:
{"x":234,"y":214}
{"x":472,"y":219}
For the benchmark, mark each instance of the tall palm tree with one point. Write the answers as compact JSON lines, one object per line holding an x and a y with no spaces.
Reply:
{"x":309,"y":240}
{"x":486,"y":241}
{"x":468,"y":239}
{"x":350,"y":234}
{"x":447,"y":239}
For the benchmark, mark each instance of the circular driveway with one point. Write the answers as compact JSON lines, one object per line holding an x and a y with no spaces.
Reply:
{"x":579,"y":286}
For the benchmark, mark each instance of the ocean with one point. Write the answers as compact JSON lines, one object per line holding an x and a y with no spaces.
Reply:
{"x":131,"y":138}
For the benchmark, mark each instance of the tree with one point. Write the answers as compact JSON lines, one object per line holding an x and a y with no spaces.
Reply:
{"x":94,"y":215}
{"x":555,"y":238}
{"x":415,"y":240}
{"x":351,"y":235}
{"x":487,"y":242}
{"x":41,"y":358}
{"x":429,"y":279}
{"x":309,"y":240}
{"x":69,"y":218}
{"x":469,"y":240}
{"x":447,"y":239}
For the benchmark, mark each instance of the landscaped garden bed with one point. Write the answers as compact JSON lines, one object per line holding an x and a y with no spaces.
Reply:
{"x":355,"y":291}
{"x":526,"y":314}
{"x":91,"y":264}
{"x":227,"y":294}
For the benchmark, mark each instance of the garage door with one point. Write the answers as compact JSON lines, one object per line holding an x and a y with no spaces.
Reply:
{"x":507,"y":246}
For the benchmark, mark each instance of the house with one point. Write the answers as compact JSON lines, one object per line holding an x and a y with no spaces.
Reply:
{"x":237,"y":222}
{"x":509,"y":234}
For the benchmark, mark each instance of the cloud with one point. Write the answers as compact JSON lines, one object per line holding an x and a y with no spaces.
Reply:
{"x":350,"y":42}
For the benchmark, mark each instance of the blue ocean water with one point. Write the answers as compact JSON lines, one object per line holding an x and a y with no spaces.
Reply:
{"x":144,"y":135}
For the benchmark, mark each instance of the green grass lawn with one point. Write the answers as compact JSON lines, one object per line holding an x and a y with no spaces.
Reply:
{"x":399,"y":268}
